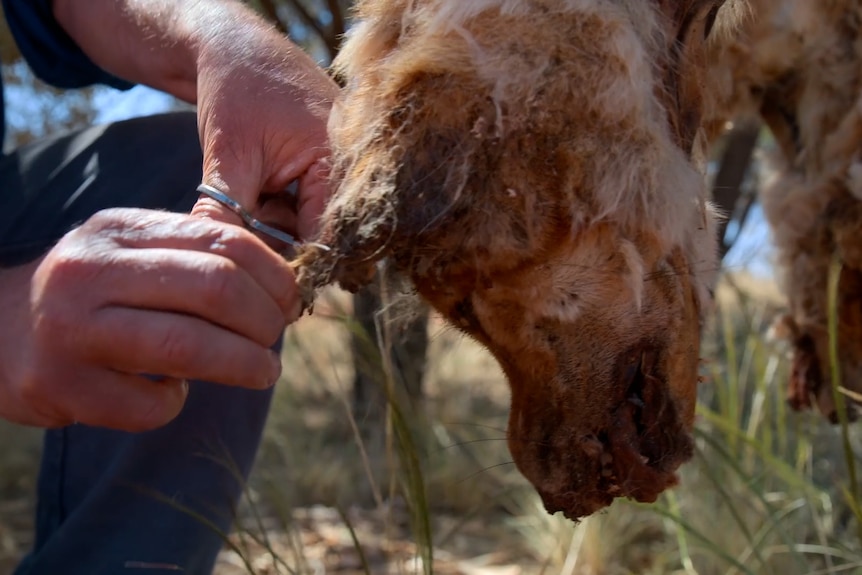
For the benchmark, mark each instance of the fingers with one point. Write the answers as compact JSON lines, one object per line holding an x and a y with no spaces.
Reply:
{"x":135,"y":292}
{"x":176,"y":232}
{"x":134,"y":341}
{"x":127,"y":402}
{"x":63,"y":394}
{"x":297,"y":213}
{"x":309,"y":167}
{"x":200,"y":284}
{"x":299,"y":166}
{"x":314,"y":190}
{"x":211,"y":209}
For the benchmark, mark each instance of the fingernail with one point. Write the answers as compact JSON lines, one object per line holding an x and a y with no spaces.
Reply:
{"x":296,"y":310}
{"x":275,"y":368}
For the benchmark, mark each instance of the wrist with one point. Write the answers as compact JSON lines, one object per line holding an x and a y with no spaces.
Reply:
{"x":232,"y":37}
{"x":15,"y":306}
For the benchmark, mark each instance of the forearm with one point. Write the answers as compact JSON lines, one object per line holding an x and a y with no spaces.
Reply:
{"x":159,"y":43}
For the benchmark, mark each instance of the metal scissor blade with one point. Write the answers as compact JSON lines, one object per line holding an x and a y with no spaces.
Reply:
{"x":247,"y":218}
{"x":250,"y":220}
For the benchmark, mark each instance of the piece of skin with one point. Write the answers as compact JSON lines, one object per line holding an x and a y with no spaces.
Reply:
{"x":205,"y":297}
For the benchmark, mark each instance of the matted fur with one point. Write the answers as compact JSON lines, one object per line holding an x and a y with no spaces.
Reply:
{"x":798,"y":65}
{"x":531,"y":166}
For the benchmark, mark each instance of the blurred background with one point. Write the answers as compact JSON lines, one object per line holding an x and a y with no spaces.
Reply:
{"x":385,"y":451}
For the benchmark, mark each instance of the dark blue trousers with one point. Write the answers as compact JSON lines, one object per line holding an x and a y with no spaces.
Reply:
{"x":115,"y":503}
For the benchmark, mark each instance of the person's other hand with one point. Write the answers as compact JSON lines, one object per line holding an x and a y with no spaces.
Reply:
{"x":134,"y":292}
{"x":263,"y":106}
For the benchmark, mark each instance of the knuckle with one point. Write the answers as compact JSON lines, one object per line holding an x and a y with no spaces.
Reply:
{"x":50,"y":320}
{"x":38,"y":400}
{"x":77,"y":258}
{"x":275,"y":330}
{"x":290,"y":300}
{"x":53,"y":312}
{"x":109,"y":220}
{"x":100,"y":220}
{"x":209,"y":210}
{"x":160,"y":408}
{"x":285,"y":295}
{"x":107,"y":216}
{"x":219,"y":285}
{"x":232,"y":241}
{"x":248,"y":367}
{"x":280,"y":308}
{"x":71,"y":266}
{"x":177,"y":347}
{"x":30,"y":386}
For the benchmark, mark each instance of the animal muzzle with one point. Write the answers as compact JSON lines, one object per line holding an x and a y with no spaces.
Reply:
{"x":634,"y":453}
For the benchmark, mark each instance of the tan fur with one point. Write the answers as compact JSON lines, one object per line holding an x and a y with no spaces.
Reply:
{"x":798,"y":65}
{"x":529,"y":165}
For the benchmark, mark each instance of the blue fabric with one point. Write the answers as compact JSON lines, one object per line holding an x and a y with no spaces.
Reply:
{"x":114,"y":503}
{"x":50,"y":52}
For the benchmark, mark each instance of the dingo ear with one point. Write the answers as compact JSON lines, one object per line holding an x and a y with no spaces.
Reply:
{"x":410,"y":182}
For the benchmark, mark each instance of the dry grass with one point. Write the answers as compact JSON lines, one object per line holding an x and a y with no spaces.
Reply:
{"x":19,"y":453}
{"x":312,"y":456}
{"x":763,"y":495}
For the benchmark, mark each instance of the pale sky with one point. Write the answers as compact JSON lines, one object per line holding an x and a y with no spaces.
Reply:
{"x":113,"y":105}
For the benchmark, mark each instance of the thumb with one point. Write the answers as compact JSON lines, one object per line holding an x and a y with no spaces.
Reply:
{"x":242,"y":192}
{"x":313,"y":195}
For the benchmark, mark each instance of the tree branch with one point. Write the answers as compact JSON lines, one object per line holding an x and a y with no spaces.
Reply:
{"x":271,"y":13}
{"x":338,"y":27}
{"x":727,"y":186}
{"x":309,"y":20}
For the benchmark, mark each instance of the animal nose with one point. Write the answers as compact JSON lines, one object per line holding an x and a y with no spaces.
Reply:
{"x":572,"y":503}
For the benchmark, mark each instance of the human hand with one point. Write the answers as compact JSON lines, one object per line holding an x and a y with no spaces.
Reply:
{"x":135,"y":292}
{"x":262,"y":102}
{"x":263,"y":106}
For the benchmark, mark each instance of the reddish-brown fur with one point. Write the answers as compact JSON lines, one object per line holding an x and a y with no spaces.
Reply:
{"x":531,"y":166}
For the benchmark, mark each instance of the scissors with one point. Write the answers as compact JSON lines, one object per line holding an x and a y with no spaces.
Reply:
{"x":249,"y":219}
